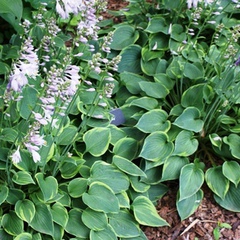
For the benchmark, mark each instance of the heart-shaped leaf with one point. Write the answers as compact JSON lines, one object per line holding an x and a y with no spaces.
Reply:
{"x":216,"y":181}
{"x":22,"y":178}
{"x":48,"y":186}
{"x":25,"y":209}
{"x":126,"y":148}
{"x":157,"y":147}
{"x":109,"y":175}
{"x":154,"y":120}
{"x":172,"y":167}
{"x":77,"y":187}
{"x":59,"y":214}
{"x":231,"y":201}
{"x":185,"y":144}
{"x":146,"y":214}
{"x":188,"y":206}
{"x":42,"y":221}
{"x":75,"y":226}
{"x":190,"y":120}
{"x":12,"y":224}
{"x":124,"y":221}
{"x":94,"y":220}
{"x":97,"y":140}
{"x":231,"y":170}
{"x":191,"y":179}
{"x":127,"y":166}
{"x":233,"y":140}
{"x":101,"y":198}
{"x":124,"y":36}
{"x":106,"y":234}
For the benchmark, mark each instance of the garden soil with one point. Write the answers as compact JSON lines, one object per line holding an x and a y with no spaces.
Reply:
{"x":202,"y":223}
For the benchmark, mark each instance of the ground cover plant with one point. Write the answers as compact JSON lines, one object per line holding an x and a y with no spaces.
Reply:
{"x":97,"y":117}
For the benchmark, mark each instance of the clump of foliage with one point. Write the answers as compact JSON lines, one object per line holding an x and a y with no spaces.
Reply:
{"x":97,"y":116}
{"x":179,"y":91}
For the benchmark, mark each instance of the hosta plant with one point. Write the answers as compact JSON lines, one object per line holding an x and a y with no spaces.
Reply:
{"x":67,"y":171}
{"x":179,"y":92}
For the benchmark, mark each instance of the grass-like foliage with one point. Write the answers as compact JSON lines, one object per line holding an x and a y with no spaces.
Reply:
{"x":96,"y":117}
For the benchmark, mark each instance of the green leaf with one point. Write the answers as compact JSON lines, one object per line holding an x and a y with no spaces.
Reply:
{"x":178,"y":33}
{"x":138,"y":185}
{"x":216,"y":181}
{"x":14,"y":195}
{"x":124,"y":36}
{"x":24,"y":236}
{"x":175,"y":68}
{"x":48,"y":186}
{"x":185,"y":144}
{"x":3,"y":193}
{"x":231,"y":201}
{"x":77,"y":187}
{"x":191,"y":180}
{"x":124,"y":224}
{"x":131,"y":58}
{"x":75,"y":226}
{"x":12,"y":11}
{"x":172,"y":167}
{"x":193,"y":71}
{"x":101,"y":198}
{"x":231,"y":170}
{"x":158,"y":41}
{"x":4,"y":68}
{"x":146,"y":214}
{"x":193,"y":97}
{"x":157,"y":24}
{"x":96,"y":221}
{"x":27,"y":104}
{"x":9,"y":135}
{"x":106,"y":234}
{"x":154,"y":120}
{"x":190,"y":120}
{"x":157,"y":147}
{"x":147,"y":103}
{"x":188,"y":206}
{"x":131,"y":81}
{"x":126,"y":147}
{"x":97,"y":140}
{"x":67,"y":135}
{"x":70,"y":166}
{"x":123,"y":200}
{"x":59,"y":214}
{"x":109,"y":175}
{"x":156,"y":192}
{"x":153,"y":67}
{"x":25,"y":210}
{"x":12,"y":224}
{"x":155,"y":90}
{"x":233,"y":140}
{"x":127,"y":166}
{"x":42,"y":221}
{"x":22,"y":178}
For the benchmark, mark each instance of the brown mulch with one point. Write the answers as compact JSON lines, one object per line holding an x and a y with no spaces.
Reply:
{"x":202,"y":223}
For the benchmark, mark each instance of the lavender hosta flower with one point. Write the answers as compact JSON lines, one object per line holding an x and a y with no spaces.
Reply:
{"x":34,"y":151}
{"x":72,"y":80}
{"x":17,"y":80}
{"x":65,"y":7}
{"x":27,"y":65}
{"x":16,"y":156}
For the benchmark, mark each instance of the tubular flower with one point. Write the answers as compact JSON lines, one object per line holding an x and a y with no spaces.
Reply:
{"x":65,"y":7}
{"x":27,"y":66}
